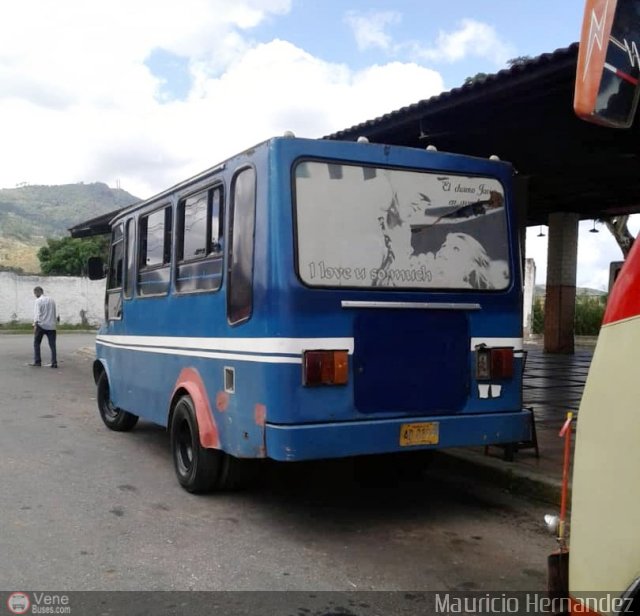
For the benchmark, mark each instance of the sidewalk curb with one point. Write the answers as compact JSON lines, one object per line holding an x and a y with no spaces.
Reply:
{"x":506,"y":475}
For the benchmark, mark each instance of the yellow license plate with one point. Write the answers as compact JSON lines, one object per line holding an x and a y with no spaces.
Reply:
{"x":425,"y":433}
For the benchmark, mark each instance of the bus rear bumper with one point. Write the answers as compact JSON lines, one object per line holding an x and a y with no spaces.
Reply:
{"x":342,"y":439}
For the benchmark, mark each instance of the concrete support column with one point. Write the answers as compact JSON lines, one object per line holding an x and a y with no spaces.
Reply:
{"x":528,"y":297}
{"x":560,"y":301}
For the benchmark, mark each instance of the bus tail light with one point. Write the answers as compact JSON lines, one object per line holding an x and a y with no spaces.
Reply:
{"x":325,"y":368}
{"x":494,"y":363}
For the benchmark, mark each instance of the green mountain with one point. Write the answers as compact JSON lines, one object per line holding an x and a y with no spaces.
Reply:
{"x":48,"y":211}
{"x":30,"y":214}
{"x":540,"y":291}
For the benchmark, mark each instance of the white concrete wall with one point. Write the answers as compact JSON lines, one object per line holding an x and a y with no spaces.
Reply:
{"x":529,"y":296}
{"x":76,"y":297}
{"x":78,"y":300}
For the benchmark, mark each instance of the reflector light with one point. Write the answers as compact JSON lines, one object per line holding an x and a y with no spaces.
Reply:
{"x":483,"y":364}
{"x":502,"y":363}
{"x":325,"y":368}
{"x":494,"y":363}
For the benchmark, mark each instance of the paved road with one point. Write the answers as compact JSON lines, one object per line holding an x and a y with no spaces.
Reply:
{"x":83,"y":508}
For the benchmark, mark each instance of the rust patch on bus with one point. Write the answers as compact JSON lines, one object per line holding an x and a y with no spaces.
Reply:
{"x":191,"y":381}
{"x":260,"y":414}
{"x":222,"y":401}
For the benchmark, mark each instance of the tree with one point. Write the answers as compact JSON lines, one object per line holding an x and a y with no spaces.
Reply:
{"x":538,"y":316}
{"x":68,"y":256}
{"x":476,"y":77}
{"x":618,"y":227}
{"x":589,"y":314}
{"x":517,"y":61}
{"x":482,"y":76}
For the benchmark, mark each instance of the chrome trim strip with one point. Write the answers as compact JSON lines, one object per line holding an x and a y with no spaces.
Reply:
{"x":412,"y":305}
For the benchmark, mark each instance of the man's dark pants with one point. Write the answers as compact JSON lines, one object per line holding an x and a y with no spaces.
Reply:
{"x":37,"y":339}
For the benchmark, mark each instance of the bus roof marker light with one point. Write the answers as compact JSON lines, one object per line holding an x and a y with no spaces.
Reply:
{"x":362,"y":139}
{"x":431,"y":148}
{"x":289,"y":134}
{"x":494,"y":157}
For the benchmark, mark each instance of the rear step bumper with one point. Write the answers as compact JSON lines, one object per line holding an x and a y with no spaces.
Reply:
{"x":353,"y":438}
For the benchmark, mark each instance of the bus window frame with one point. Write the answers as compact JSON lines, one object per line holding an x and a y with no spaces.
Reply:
{"x":231,"y":244}
{"x":130,"y":274}
{"x":167,"y":250}
{"x":370,"y":289}
{"x":116,"y":313}
{"x":112,"y":247}
{"x":211,"y":255}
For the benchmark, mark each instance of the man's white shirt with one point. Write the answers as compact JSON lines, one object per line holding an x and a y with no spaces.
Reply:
{"x":45,"y":313}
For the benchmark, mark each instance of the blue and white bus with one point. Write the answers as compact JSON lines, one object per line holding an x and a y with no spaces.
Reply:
{"x":311,"y":299}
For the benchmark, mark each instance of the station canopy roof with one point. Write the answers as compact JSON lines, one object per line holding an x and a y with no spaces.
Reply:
{"x":524,"y":115}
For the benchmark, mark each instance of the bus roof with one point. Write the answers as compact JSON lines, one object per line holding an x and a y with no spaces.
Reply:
{"x":102,"y":224}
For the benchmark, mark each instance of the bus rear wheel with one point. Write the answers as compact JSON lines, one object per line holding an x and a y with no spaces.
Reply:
{"x":201,"y":469}
{"x":113,"y":417}
{"x":197,"y":468}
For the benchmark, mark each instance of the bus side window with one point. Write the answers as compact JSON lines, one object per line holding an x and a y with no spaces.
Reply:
{"x":154,"y":254}
{"x":215,"y":235}
{"x":241,"y":240}
{"x":198,"y":242}
{"x":116,"y":259}
{"x":155,"y":234}
{"x":113,"y":306}
{"x":193,"y":227}
{"x":130,"y":256}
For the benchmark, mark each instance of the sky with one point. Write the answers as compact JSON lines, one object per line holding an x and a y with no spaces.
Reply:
{"x":141,"y":94}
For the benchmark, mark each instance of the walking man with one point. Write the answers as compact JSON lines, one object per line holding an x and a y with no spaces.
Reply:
{"x":44,"y":324}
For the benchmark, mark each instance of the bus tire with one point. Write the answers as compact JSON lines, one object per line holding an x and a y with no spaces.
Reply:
{"x":197,"y":468}
{"x":235,"y":473}
{"x":114,"y":418}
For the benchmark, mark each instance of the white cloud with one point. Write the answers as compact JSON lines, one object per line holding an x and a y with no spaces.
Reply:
{"x":78,"y":103}
{"x":472,"y":38}
{"x":369,"y":29}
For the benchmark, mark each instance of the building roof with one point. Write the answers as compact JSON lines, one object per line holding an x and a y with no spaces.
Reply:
{"x":95,"y":226}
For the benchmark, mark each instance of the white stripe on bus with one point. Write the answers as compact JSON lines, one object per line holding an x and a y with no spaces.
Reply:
{"x":257,"y":347}
{"x":285,"y":346}
{"x":268,"y":359}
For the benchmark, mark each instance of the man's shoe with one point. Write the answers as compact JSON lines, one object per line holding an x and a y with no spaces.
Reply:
{"x":34,"y":365}
{"x":53,"y":365}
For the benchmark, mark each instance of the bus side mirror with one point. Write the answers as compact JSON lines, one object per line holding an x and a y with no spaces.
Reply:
{"x":608,"y":72}
{"x":95,"y":268}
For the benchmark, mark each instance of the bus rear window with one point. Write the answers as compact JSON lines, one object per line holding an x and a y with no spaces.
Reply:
{"x":374,"y":227}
